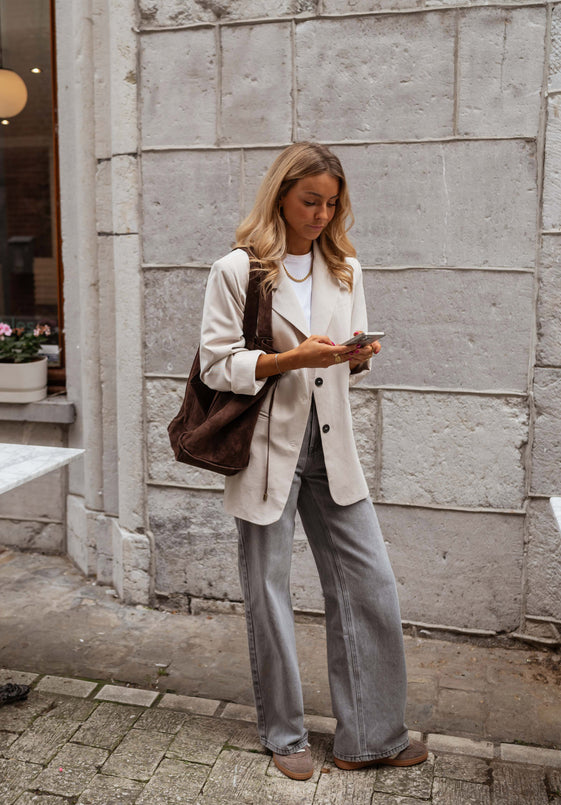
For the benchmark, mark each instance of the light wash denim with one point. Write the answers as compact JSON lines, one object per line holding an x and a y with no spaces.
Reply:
{"x":365,"y":652}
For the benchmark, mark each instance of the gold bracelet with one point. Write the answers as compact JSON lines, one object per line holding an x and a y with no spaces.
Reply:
{"x":279,"y":370}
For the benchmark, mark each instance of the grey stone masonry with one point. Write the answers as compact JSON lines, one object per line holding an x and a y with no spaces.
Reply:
{"x":165,"y":756}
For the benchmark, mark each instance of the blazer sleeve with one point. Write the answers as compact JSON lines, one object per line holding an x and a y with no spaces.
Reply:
{"x":359,"y":321}
{"x":226,"y":364}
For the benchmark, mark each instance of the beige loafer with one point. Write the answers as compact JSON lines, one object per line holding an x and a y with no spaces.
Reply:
{"x":297,"y":766}
{"x":415,"y":753}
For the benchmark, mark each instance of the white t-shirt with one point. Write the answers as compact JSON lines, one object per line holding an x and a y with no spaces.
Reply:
{"x":298,"y":265}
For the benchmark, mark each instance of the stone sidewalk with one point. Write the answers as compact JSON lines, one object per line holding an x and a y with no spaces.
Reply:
{"x":82,"y":742}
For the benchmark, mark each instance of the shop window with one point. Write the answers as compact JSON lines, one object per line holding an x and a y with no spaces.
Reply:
{"x":30,"y":260}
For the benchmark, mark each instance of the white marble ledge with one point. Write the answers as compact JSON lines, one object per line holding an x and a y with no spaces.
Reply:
{"x":20,"y":463}
{"x":556,"y":506}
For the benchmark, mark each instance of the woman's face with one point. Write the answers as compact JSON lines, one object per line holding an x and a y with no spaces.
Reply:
{"x":307,"y":208}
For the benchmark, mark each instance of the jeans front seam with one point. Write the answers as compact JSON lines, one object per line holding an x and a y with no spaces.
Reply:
{"x":347,"y":609}
{"x":251,"y":640}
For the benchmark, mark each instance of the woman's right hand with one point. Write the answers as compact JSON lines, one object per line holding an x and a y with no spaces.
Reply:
{"x":317,"y":352}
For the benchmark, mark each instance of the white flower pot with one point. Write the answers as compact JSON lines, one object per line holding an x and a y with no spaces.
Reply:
{"x":23,"y":382}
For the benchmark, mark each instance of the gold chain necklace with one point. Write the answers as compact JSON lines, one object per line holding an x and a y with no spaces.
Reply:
{"x":295,"y":279}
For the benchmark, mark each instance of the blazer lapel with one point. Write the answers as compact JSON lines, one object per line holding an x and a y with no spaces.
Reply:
{"x":286,"y":304}
{"x":325,"y":293}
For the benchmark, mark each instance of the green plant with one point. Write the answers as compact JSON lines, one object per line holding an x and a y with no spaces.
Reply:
{"x":21,"y":345}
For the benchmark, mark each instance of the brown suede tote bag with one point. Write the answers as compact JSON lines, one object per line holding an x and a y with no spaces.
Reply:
{"x":213,"y":429}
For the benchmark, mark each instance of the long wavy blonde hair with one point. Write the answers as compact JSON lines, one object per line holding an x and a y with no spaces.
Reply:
{"x":263,"y":231}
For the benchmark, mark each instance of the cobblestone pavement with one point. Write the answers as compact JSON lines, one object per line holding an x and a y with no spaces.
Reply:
{"x":84,"y":742}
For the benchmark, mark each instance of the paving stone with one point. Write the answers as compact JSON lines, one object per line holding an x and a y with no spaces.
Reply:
{"x":518,"y":785}
{"x":6,"y":739}
{"x":108,"y":790}
{"x":161,"y":721}
{"x":78,"y":763}
{"x":200,"y":740}
{"x":238,"y":777}
{"x":19,"y":715}
{"x":389,"y":799}
{"x":174,"y":781}
{"x":460,"y":746}
{"x":459,"y":792}
{"x":107,"y":726}
{"x":66,"y":685}
{"x":456,"y":767}
{"x":40,"y":799}
{"x":138,"y":754}
{"x":189,"y":704}
{"x":413,"y":781}
{"x":535,"y":755}
{"x":18,"y":677}
{"x":15,"y":776}
{"x":43,"y":739}
{"x":242,"y":711}
{"x":117,"y":693}
{"x":71,"y":709}
{"x":245,"y":736}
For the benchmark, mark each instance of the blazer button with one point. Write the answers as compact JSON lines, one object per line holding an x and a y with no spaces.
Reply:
{"x":319,"y":381}
{"x":325,"y":429}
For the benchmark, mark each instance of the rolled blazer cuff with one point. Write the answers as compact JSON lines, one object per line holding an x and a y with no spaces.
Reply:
{"x":242,"y":366}
{"x":359,"y":373}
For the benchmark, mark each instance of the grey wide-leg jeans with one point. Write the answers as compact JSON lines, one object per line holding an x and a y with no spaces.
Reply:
{"x":365,"y":653}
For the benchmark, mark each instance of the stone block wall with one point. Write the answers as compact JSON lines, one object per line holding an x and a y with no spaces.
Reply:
{"x":446,"y":117}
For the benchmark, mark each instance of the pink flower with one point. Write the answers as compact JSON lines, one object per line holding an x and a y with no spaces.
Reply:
{"x":5,"y":329}
{"x":42,"y":329}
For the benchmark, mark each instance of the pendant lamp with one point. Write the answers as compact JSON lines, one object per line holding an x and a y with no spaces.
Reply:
{"x":13,"y":92}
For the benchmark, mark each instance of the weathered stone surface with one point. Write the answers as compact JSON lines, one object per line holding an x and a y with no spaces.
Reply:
{"x":469,"y":203}
{"x":461,"y":746}
{"x":21,"y":714}
{"x":124,"y":182}
{"x":43,"y":739}
{"x":462,"y":710}
{"x":543,"y":562}
{"x":200,"y":740}
{"x":15,"y":776}
{"x":103,"y":202}
{"x":174,"y":781}
{"x":107,"y":725}
{"x":455,"y":450}
{"x":120,"y":693}
{"x":105,"y":789}
{"x":78,"y":764}
{"x":336,"y":787}
{"x":546,"y":449}
{"x":554,"y":781}
{"x":189,"y":704}
{"x":459,"y":792}
{"x":190,"y":205}
{"x":238,"y":776}
{"x":536,"y":755}
{"x":183,"y":12}
{"x":456,"y":767}
{"x":161,"y":720}
{"x":555,"y":54}
{"x":439,"y":569}
{"x":364,"y":406}
{"x":501,"y":57}
{"x":451,"y":329}
{"x":173,"y":307}
{"x":196,"y":543}
{"x":250,"y":79}
{"x":518,"y":785}
{"x":40,"y":799}
{"x":395,"y":82}
{"x":33,"y":536}
{"x":132,"y":555}
{"x":414,"y":781}
{"x":138,"y":754}
{"x":256,"y":163}
{"x":187,"y":116}
{"x":163,"y":399}
{"x":66,"y":686}
{"x":549,"y":302}
{"x":552,"y":172}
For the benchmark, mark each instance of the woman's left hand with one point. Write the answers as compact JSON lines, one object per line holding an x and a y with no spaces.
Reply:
{"x":363,"y":354}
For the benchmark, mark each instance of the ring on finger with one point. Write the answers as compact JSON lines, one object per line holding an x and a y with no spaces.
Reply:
{"x":338,"y":359}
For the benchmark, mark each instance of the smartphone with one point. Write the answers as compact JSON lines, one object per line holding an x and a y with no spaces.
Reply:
{"x":362,"y":339}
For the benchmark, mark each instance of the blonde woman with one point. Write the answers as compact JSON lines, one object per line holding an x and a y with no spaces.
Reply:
{"x":303,"y":458}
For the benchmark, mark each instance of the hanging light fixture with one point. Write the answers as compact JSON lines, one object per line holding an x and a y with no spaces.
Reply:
{"x":13,"y":92}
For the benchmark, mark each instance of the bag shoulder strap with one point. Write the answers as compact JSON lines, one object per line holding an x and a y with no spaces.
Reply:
{"x":257,"y":325}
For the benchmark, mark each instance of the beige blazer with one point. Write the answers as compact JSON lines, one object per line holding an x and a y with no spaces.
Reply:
{"x":227,"y":365}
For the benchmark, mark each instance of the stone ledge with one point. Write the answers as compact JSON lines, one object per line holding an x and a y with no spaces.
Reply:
{"x":55,"y":410}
